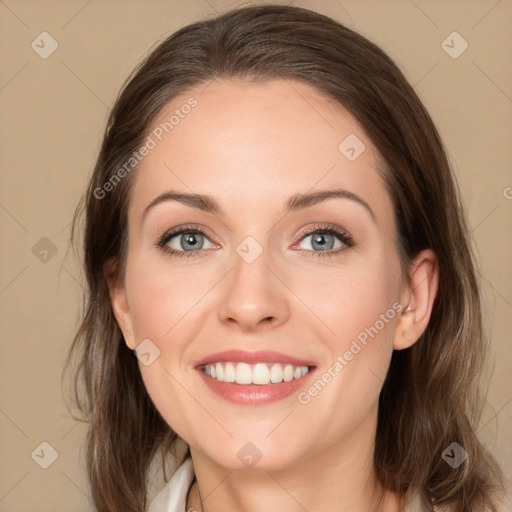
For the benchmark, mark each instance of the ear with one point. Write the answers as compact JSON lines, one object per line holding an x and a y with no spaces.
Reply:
{"x":121,"y":309}
{"x":419,"y":294}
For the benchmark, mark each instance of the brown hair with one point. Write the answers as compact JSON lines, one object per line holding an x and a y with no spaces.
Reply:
{"x":431,"y":395}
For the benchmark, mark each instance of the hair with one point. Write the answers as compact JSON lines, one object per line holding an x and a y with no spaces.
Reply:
{"x":431,"y":396}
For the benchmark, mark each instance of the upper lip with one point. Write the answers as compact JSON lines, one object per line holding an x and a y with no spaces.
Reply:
{"x":251,"y":357}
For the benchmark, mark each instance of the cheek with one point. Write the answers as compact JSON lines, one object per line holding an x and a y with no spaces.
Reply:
{"x":360,"y":314}
{"x":160,"y":297}
{"x":164,"y":305}
{"x":352,"y":298}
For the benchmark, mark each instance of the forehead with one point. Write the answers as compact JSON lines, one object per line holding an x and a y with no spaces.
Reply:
{"x":250,"y":141}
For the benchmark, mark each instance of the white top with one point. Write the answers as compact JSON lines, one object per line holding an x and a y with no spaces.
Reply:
{"x":173,"y":497}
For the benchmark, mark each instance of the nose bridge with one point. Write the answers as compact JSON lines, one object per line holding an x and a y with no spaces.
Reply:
{"x":252,"y":293}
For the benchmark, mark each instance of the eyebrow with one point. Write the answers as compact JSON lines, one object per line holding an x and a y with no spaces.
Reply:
{"x":296,"y":202}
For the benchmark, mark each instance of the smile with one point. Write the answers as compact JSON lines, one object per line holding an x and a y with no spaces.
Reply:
{"x":260,"y":373}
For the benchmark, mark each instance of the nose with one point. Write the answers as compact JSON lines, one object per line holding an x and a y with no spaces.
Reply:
{"x":253,"y":297}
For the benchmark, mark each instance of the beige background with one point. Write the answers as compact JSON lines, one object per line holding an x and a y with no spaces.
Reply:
{"x":54,"y":111}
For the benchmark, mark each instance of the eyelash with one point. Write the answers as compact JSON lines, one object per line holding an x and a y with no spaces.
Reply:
{"x":341,"y":234}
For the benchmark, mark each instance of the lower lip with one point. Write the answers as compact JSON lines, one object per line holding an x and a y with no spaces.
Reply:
{"x":254,"y":394}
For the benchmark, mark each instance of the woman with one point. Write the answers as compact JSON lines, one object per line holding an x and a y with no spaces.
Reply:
{"x":273,"y":230}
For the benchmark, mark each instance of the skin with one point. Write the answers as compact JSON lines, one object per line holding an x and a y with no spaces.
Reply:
{"x":251,"y":146}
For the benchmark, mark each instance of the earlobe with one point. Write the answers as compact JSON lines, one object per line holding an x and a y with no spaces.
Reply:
{"x":121,"y":310}
{"x":418,"y":296}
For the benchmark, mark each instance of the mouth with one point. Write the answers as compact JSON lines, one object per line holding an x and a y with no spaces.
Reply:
{"x":254,"y":378}
{"x":260,"y":374}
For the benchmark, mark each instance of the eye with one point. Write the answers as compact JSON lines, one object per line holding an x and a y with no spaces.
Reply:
{"x":326,"y":240}
{"x":188,"y":241}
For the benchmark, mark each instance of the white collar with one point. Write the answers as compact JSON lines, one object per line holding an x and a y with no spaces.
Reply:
{"x":173,"y":497}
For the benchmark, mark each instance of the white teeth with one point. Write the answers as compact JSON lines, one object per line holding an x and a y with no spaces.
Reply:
{"x":259,"y":373}
{"x":229,"y":372}
{"x":288,"y":373}
{"x":243,"y":373}
{"x":276,"y":373}
{"x":219,"y":371}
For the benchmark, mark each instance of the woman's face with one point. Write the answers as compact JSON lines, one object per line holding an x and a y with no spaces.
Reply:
{"x":258,"y":280}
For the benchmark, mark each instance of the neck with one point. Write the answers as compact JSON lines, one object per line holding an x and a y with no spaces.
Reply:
{"x":339,"y":478}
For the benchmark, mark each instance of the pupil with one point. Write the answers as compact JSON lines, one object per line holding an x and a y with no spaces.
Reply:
{"x":320,"y":240}
{"x":190,"y":240}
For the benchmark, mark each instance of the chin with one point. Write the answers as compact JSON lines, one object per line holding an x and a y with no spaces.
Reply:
{"x":252,"y":457}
